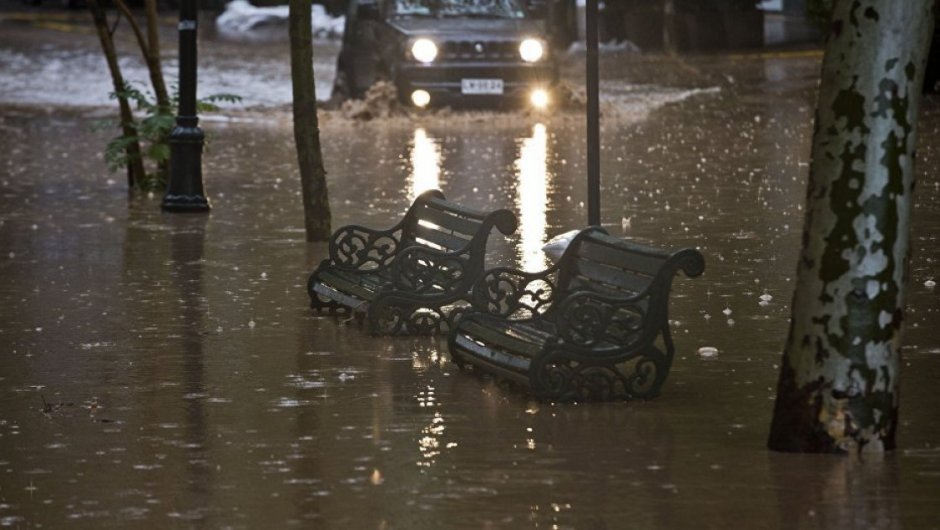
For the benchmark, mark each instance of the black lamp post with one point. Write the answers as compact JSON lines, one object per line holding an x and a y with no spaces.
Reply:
{"x":184,"y":192}
{"x":593,"y":115}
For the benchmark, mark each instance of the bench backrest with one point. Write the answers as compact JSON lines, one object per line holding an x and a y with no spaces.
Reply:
{"x":600,"y":263}
{"x":434,"y":222}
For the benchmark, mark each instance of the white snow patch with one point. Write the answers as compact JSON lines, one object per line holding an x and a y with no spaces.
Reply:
{"x":240,"y":18}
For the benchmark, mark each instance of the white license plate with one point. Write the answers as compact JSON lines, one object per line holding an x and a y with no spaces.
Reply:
{"x":481,"y":86}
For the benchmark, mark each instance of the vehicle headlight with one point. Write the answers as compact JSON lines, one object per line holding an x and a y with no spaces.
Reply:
{"x":424,"y":50}
{"x":531,"y":50}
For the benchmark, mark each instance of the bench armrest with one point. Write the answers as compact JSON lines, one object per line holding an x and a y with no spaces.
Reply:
{"x":421,"y":270}
{"x":586,"y":319}
{"x":516,"y":294}
{"x":355,"y":247}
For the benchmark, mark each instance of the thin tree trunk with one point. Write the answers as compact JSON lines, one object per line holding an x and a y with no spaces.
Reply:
{"x":838,"y":388}
{"x":153,"y":56}
{"x":306,"y":125}
{"x":149,"y":48}
{"x":135,"y":162}
{"x":156,"y":74}
{"x":670,"y":35}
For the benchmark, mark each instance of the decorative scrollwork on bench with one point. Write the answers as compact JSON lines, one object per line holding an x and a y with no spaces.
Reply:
{"x":588,"y":320}
{"x":514,"y":294}
{"x":357,"y":247}
{"x":421,"y":271}
{"x":557,"y":376}
{"x":392,"y":317}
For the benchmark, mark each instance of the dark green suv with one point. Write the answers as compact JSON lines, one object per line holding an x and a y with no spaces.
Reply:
{"x":447,"y":52}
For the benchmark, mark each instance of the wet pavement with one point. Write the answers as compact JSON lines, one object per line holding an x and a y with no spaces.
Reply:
{"x":164,"y":371}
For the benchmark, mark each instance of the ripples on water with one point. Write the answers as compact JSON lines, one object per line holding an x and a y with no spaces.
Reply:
{"x":164,"y":370}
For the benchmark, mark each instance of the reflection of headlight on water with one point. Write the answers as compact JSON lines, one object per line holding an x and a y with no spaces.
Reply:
{"x":424,"y":50}
{"x":420,"y":98}
{"x":539,"y":98}
{"x":531,"y":50}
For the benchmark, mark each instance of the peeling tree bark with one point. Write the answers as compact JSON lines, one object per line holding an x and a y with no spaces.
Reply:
{"x":306,"y":125}
{"x":838,"y":388}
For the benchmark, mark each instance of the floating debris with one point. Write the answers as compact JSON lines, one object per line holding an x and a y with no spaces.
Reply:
{"x":707,"y":352}
{"x":626,"y":223}
{"x":930,"y":284}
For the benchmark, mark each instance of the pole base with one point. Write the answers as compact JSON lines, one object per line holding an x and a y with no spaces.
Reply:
{"x":185,"y":203}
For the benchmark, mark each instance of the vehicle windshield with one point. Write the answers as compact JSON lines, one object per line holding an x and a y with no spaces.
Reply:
{"x":459,"y":8}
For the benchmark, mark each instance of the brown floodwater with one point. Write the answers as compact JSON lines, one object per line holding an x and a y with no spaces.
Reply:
{"x":164,"y":371}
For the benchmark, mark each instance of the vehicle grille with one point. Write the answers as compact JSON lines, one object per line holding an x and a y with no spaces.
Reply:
{"x":481,"y":51}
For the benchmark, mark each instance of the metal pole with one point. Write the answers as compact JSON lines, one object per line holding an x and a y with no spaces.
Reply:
{"x":593,"y":116}
{"x":184,"y":191}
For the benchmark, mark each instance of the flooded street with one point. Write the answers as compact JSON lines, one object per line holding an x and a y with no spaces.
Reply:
{"x":165,"y":371}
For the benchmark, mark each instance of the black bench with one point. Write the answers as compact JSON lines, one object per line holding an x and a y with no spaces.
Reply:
{"x":593,"y":327}
{"x":407,"y":279}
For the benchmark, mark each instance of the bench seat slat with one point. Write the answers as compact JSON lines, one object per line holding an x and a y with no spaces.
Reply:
{"x":492,"y":357}
{"x":351,"y":302}
{"x":449,"y":242}
{"x":620,"y":258}
{"x":462,"y":226}
{"x":525,"y":340}
{"x":443,"y":204}
{"x":362,"y":286}
{"x":615,"y":280}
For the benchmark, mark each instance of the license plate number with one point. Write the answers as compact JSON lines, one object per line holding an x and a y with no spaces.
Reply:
{"x":481,"y":86}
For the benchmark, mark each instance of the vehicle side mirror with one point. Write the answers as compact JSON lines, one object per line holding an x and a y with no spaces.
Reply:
{"x":367,"y":10}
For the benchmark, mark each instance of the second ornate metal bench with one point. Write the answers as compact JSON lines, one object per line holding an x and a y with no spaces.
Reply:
{"x":594,"y":326}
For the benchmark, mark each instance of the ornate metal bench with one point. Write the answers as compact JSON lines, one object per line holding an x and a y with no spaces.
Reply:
{"x":407,"y":279}
{"x":594,"y":326}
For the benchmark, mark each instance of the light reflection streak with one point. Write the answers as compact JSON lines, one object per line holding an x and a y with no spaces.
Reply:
{"x":425,"y":164}
{"x":532,"y":199}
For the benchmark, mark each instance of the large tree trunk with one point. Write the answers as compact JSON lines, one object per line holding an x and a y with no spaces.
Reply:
{"x":135,"y":162}
{"x":306,"y":124}
{"x":838,"y":389}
